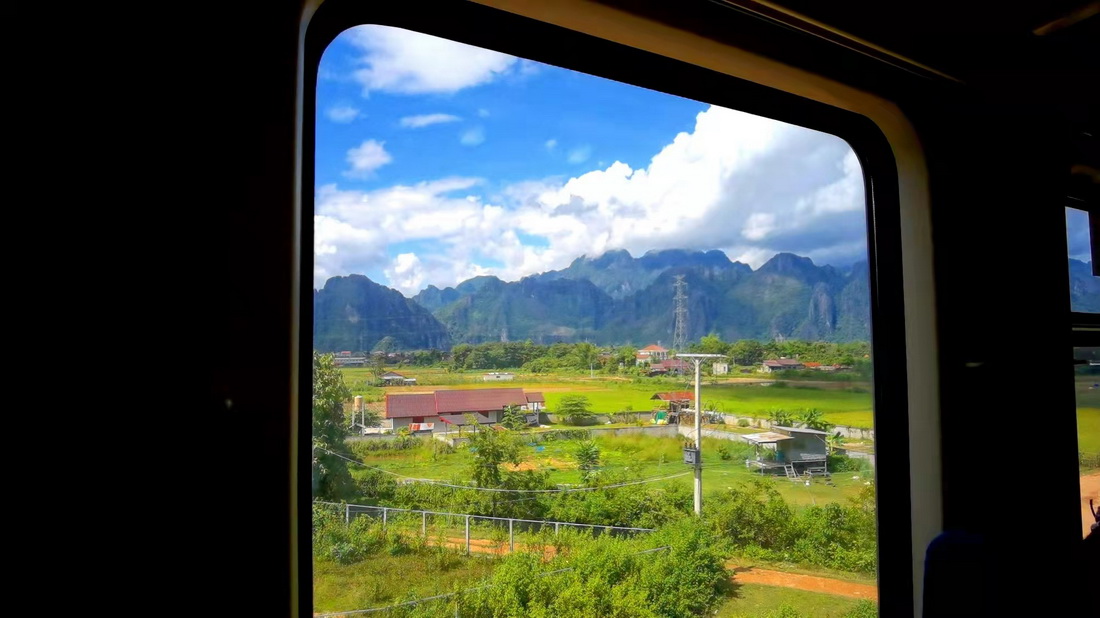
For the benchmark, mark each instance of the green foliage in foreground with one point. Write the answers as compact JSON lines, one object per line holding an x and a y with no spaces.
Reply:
{"x":610,"y":577}
{"x":331,"y":479}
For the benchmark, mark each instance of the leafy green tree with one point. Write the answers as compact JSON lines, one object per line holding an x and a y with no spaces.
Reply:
{"x":588,"y":458}
{"x":746,"y":352}
{"x":711,"y":344}
{"x":513,"y":418}
{"x":491,"y":448}
{"x":331,"y":479}
{"x":814,"y":419}
{"x":783,"y":418}
{"x":576,"y":409}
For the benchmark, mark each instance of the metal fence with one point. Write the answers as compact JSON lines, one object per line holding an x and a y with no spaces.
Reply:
{"x":477,"y":533}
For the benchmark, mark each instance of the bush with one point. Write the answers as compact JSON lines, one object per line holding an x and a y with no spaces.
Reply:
{"x":843,"y":463}
{"x":724,"y":453}
{"x":743,"y":422}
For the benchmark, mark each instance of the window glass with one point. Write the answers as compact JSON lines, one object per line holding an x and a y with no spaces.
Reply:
{"x":1087,"y":385}
{"x":1084,"y":288}
{"x":514,"y":265}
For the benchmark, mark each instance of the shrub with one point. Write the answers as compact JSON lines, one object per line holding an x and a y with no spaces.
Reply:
{"x":724,"y":453}
{"x":576,"y":410}
{"x":743,"y":422}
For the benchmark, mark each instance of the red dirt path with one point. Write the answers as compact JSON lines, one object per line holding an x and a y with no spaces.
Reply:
{"x":1090,"y":488}
{"x":741,"y":575}
{"x":809,"y":583}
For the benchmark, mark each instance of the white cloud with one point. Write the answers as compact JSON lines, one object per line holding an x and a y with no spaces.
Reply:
{"x":758,"y":225}
{"x":579,"y":154}
{"x":551,"y":144}
{"x":747,"y":185}
{"x":342,"y":114}
{"x":426,"y":120}
{"x":369,"y":156}
{"x":482,"y":113}
{"x":406,"y":273}
{"x":472,"y":137}
{"x":405,"y":62}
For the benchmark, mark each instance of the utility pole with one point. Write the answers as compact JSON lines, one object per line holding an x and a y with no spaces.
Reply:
{"x":697,"y":360}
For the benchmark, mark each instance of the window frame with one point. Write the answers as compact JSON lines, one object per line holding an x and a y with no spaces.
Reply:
{"x":527,"y":38}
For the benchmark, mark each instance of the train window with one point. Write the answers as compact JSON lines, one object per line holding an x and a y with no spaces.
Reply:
{"x":1087,"y":387}
{"x":1084,"y":288}
{"x":677,"y":297}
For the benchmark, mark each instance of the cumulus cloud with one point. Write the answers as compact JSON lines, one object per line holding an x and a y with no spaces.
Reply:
{"x":404,"y":62}
{"x":472,"y":137}
{"x":342,"y":114}
{"x":369,"y":156}
{"x":746,"y":185}
{"x":427,"y":120}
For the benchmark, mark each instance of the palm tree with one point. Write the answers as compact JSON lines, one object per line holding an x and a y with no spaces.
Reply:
{"x":814,"y":419}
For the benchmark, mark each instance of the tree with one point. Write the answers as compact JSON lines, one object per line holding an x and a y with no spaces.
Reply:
{"x":782,"y":418}
{"x":331,"y":478}
{"x":377,"y":364}
{"x":513,"y":418}
{"x":746,"y":352}
{"x":576,"y":409}
{"x":588,"y":459}
{"x":712,"y":344}
{"x":490,"y":449}
{"x":814,"y":419}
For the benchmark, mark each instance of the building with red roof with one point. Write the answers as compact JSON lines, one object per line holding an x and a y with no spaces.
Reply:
{"x":444,"y":408}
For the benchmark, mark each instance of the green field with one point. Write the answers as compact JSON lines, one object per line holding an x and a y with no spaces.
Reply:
{"x":843,"y":403}
{"x":639,"y":455}
{"x":1088,"y":414}
{"x":385,"y":580}
{"x":752,"y":600}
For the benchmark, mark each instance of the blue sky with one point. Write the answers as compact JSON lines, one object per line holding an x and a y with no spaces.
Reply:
{"x":438,"y":161}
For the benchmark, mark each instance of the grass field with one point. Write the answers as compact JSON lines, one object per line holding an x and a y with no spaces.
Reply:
{"x":751,"y":600}
{"x":640,"y":455}
{"x":371,"y":583}
{"x":1088,"y":414}
{"x":842,"y":403}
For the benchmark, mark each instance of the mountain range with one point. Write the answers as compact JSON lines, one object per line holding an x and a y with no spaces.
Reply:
{"x":618,"y":299}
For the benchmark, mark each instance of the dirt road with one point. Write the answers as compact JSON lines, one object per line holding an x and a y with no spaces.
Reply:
{"x":1090,"y":488}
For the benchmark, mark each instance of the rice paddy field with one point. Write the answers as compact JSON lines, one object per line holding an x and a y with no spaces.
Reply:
{"x":639,"y":456}
{"x":844,"y":403}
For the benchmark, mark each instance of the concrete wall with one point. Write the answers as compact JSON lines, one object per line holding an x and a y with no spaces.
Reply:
{"x":764,"y":425}
{"x":662,"y":431}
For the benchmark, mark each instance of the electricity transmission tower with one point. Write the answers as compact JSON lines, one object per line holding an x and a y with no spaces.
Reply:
{"x":679,"y":333}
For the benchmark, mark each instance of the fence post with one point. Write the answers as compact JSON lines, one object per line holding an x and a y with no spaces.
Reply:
{"x":384,"y":512}
{"x":347,"y":514}
{"x":555,"y":528}
{"x":424,"y":523}
{"x":467,"y":535}
{"x":511,"y":538}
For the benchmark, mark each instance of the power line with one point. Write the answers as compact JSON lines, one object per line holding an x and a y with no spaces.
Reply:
{"x":679,"y":334}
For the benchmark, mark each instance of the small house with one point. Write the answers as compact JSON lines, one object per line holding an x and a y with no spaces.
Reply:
{"x":781,"y":364}
{"x":719,"y":369}
{"x":650,"y":354}
{"x":797,"y":450}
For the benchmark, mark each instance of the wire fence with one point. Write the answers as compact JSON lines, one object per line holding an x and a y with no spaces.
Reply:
{"x":475,"y":533}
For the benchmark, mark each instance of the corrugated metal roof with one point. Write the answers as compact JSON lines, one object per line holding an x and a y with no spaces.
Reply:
{"x":675,"y":396}
{"x":800,"y":430}
{"x":404,"y":405}
{"x":477,"y":400}
{"x":765,"y":437}
{"x":535,"y":398}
